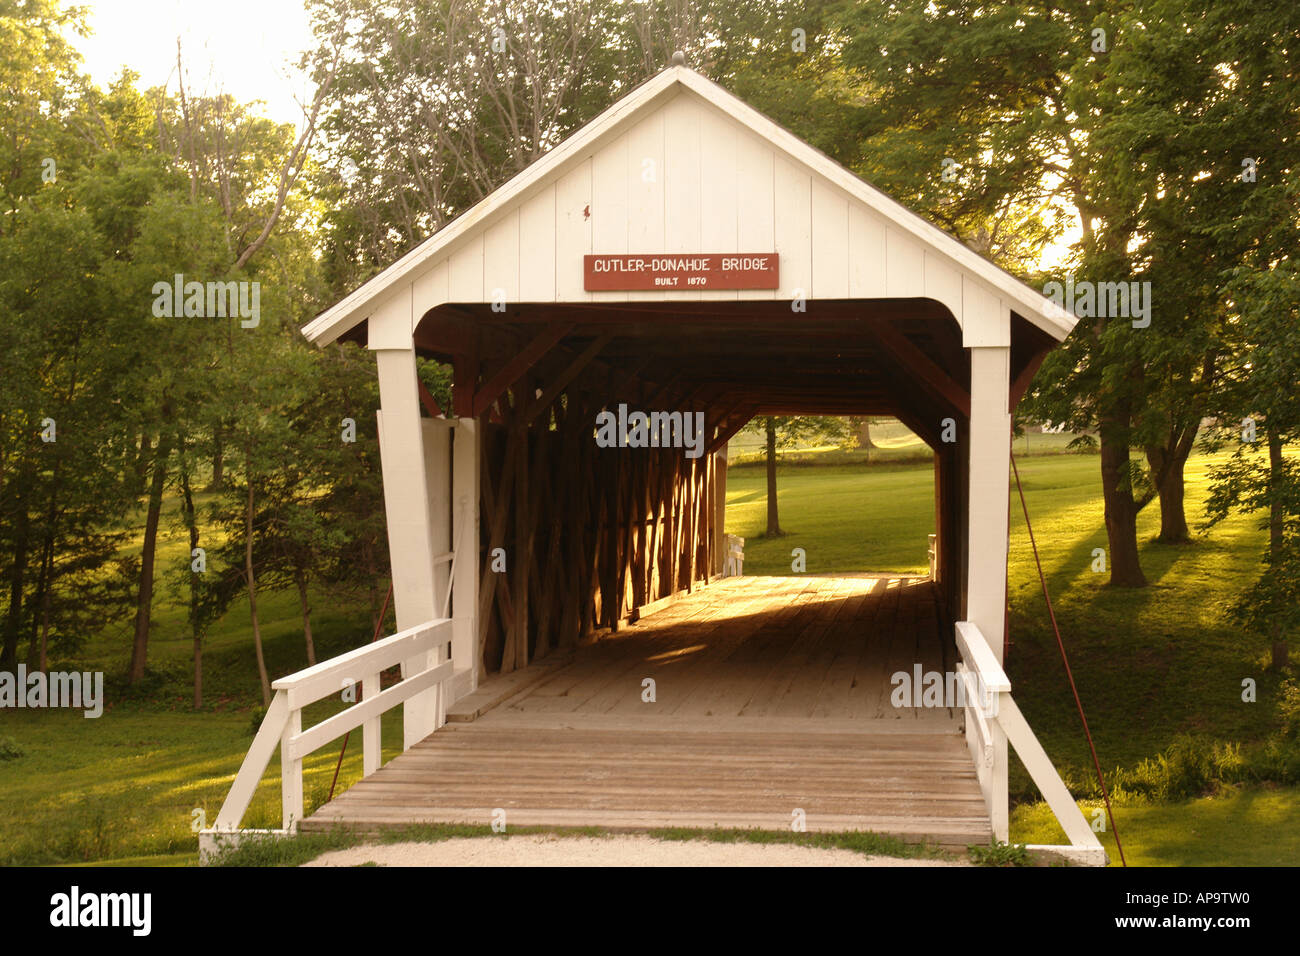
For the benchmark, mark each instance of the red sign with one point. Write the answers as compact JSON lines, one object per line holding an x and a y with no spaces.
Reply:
{"x":681,"y":273}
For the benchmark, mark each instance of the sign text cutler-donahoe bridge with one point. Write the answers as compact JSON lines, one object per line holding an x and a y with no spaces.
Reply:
{"x":726,"y":270}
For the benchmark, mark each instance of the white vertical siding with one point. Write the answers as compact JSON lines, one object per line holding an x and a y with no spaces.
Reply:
{"x":943,"y":283}
{"x":792,"y":195}
{"x":682,"y":188}
{"x":501,"y":259}
{"x":572,"y":235}
{"x":720,"y":194}
{"x":866,"y":253}
{"x":465,"y":272}
{"x":830,"y":242}
{"x":755,"y":204}
{"x":537,"y":247}
{"x":429,"y":290}
{"x":645,"y":177}
{"x":609,"y":198}
{"x":904,"y":265}
{"x":986,"y":319}
{"x":689,"y":178}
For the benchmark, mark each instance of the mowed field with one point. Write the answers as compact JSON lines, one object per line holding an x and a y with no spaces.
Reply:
{"x":1150,"y":665}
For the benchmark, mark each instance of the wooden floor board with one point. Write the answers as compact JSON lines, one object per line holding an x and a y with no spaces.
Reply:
{"x":772,"y":694}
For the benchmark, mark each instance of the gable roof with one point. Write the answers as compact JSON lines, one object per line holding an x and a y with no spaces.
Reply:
{"x":358,"y":305}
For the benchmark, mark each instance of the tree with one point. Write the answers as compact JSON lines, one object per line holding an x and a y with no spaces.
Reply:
{"x":1260,"y":396}
{"x":788,"y":431}
{"x":227,"y":181}
{"x":1003,"y":99}
{"x":773,"y":520}
{"x":210,"y":591}
{"x":1254,"y":227}
{"x":62,"y":397}
{"x":268,"y":447}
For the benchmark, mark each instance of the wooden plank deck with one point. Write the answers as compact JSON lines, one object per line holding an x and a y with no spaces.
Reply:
{"x":771,"y":695}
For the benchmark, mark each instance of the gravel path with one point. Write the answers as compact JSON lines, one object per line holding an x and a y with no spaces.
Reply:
{"x":629,"y":850}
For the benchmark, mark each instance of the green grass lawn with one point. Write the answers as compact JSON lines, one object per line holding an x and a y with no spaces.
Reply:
{"x":1150,"y":665}
{"x":1256,"y":827}
{"x":127,"y":785}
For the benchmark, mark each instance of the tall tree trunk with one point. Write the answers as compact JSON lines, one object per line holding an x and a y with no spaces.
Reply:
{"x":198,"y":668}
{"x":1168,"y":464}
{"x":252,"y":589}
{"x":1276,"y":517}
{"x":44,"y":659}
{"x":196,"y":624}
{"x":148,"y":550}
{"x":864,"y":438}
{"x":1121,"y":509}
{"x":37,"y":644}
{"x":41,"y":599}
{"x":773,"y":522}
{"x":17,"y":582}
{"x":218,"y":460}
{"x":140,"y":472}
{"x":300,"y":579}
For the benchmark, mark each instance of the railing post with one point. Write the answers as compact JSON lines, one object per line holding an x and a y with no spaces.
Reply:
{"x":291,"y":774}
{"x":371,"y":750}
{"x":465,"y":541}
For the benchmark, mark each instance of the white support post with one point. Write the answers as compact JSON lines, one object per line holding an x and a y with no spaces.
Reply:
{"x":291,"y":800}
{"x":371,"y":737}
{"x":719,"y":510}
{"x":987,"y":516}
{"x":437,"y":469}
{"x":410,"y":531}
{"x":465,"y":540}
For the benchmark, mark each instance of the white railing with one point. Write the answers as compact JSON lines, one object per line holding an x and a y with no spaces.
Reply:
{"x":934,"y":554}
{"x":992,"y":721}
{"x":282,"y":725}
{"x":734,"y":563}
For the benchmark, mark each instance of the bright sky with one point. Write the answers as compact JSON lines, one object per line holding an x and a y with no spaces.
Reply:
{"x":246,"y":48}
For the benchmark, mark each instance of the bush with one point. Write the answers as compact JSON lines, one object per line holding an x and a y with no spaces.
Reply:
{"x":9,"y":749}
{"x":1195,"y":767}
{"x":1189,"y":767}
{"x":255,"y":720}
{"x":1288,"y":707}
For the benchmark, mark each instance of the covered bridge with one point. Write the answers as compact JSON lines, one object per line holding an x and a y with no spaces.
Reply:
{"x":680,"y":255}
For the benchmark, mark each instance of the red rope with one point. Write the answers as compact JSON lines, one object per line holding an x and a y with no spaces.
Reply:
{"x":379,"y":626}
{"x":1066,"y":661}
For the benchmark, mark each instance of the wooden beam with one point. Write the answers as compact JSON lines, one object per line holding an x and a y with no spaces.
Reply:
{"x":1025,"y":378}
{"x":726,"y":432}
{"x":445,"y":332}
{"x":465,"y":370}
{"x":562,"y":381}
{"x":917,"y":362}
{"x":927,"y":434}
{"x":539,"y":345}
{"x":428,"y":401}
